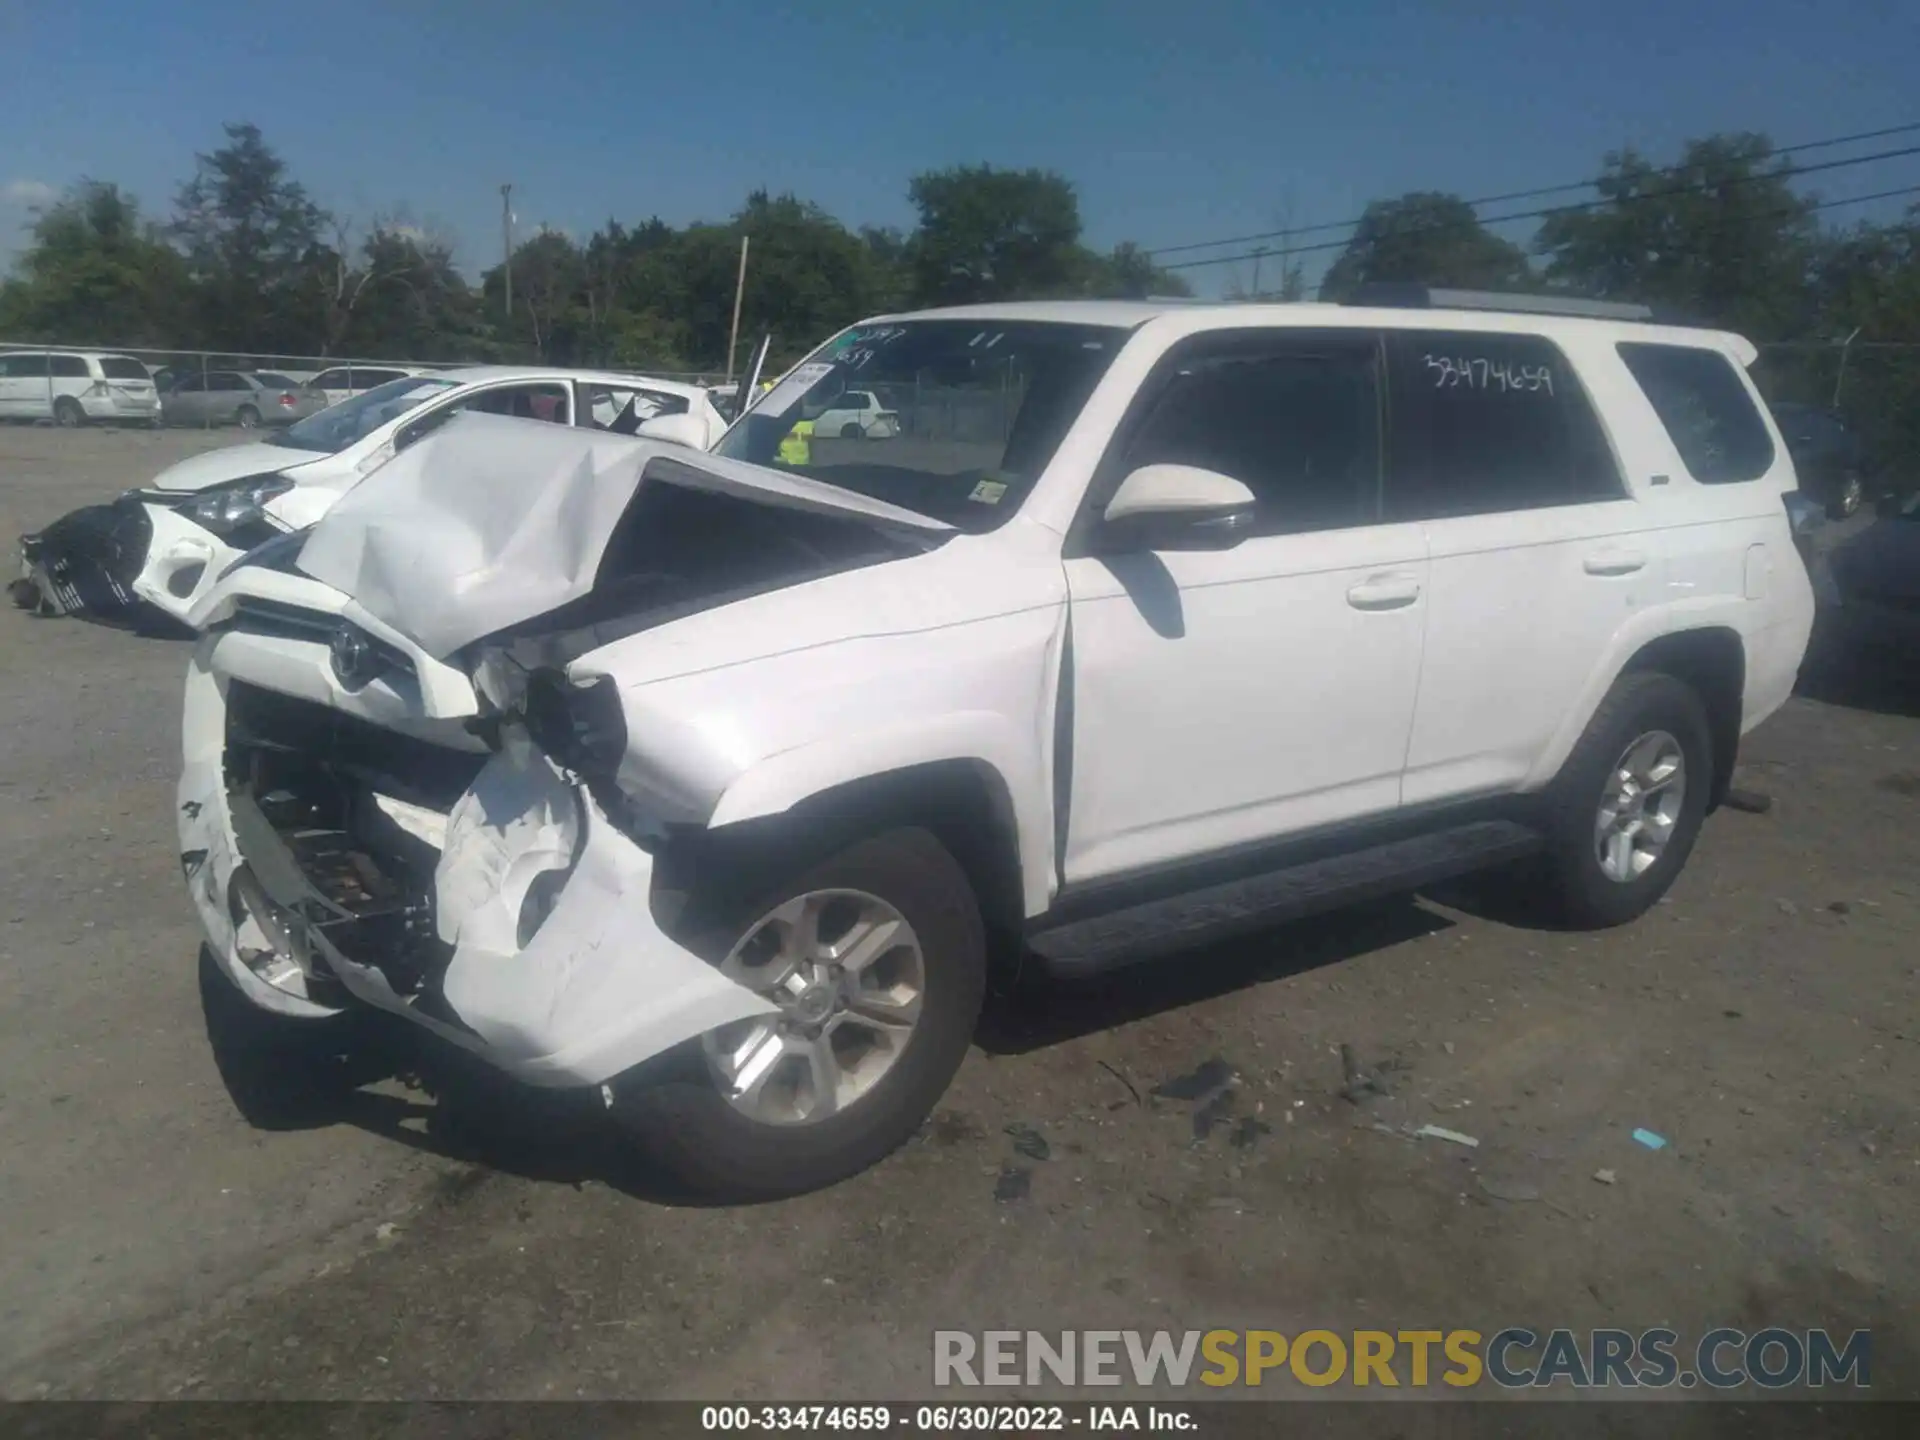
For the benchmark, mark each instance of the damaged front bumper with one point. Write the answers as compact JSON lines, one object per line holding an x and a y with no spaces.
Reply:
{"x":105,"y":560}
{"x":514,"y":919}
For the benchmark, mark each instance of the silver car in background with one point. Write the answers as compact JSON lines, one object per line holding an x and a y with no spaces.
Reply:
{"x":247,"y":398}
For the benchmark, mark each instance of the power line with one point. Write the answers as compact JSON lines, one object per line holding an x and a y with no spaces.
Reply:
{"x":1511,"y":195}
{"x":1534,"y":215}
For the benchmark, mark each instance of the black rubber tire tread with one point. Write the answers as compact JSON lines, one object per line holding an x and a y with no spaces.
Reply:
{"x":1640,"y":701}
{"x":673,"y":1108}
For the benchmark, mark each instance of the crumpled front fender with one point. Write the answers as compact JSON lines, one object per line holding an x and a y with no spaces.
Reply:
{"x":599,"y":986}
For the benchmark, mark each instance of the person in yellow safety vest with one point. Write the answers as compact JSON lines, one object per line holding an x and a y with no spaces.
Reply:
{"x":796,"y":448}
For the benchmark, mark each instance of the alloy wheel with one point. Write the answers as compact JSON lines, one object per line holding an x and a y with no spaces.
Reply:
{"x":848,"y":976}
{"x":1640,"y":806}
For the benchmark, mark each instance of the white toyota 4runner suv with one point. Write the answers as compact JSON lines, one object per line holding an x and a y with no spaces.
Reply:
{"x":720,"y":782}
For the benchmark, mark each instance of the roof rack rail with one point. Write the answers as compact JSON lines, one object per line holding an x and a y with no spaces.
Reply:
{"x":1398,"y":296}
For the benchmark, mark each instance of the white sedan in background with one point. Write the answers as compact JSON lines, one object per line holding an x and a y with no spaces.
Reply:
{"x":165,"y":544}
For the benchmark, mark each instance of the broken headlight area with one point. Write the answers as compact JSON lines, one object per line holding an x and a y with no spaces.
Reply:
{"x":341,"y":825}
{"x":235,"y":511}
{"x":87,"y":560}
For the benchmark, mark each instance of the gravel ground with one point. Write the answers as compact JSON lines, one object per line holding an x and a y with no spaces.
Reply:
{"x":442,"y":1237}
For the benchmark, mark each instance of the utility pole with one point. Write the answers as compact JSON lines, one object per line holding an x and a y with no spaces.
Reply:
{"x":506,"y":245}
{"x":1845,"y":345}
{"x":733,"y":339}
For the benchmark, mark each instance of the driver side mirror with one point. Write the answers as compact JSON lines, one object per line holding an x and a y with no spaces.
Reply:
{"x":681,"y":429}
{"x":1177,"y":507}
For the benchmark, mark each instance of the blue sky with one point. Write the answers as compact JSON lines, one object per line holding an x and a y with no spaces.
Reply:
{"x":1177,"y":122}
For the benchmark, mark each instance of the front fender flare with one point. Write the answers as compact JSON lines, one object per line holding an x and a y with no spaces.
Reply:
{"x":781,"y":781}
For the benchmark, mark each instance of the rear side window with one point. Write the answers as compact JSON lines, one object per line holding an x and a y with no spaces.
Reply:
{"x":1294,"y":418}
{"x":1708,"y":414}
{"x":119,"y":367}
{"x":1485,"y":423}
{"x":330,"y":380}
{"x":70,"y":367}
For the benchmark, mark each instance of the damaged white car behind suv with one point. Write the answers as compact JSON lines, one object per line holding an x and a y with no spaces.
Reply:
{"x":720,"y":781}
{"x":164,"y":545}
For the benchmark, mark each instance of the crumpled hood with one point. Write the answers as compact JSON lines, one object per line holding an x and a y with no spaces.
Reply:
{"x":230,"y":462}
{"x":491,"y":522}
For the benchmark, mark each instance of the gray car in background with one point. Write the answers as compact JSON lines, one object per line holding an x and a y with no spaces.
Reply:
{"x":247,"y":398}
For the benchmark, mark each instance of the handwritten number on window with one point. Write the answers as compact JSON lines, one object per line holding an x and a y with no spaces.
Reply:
{"x":1476,"y":372}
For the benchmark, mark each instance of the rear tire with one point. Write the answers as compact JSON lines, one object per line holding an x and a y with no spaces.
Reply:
{"x":850,"y":431}
{"x":674,"y":1105}
{"x":247,"y":418}
{"x":1603,"y":871}
{"x":67,"y":413}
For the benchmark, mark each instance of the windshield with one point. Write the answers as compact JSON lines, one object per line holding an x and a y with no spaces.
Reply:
{"x":969,"y":412}
{"x":336,"y":428}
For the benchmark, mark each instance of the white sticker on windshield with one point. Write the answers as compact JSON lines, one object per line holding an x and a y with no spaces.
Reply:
{"x":988,"y":492}
{"x":803,"y":378}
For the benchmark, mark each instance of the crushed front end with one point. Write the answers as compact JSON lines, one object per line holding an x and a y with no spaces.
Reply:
{"x":443,"y":869}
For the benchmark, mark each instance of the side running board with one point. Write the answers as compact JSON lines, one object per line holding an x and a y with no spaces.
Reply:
{"x":1160,"y":927}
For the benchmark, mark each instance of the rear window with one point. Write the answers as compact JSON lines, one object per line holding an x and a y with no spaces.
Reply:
{"x":1486,"y":423}
{"x":1706,"y":410}
{"x":273,"y":379}
{"x":120,"y":367}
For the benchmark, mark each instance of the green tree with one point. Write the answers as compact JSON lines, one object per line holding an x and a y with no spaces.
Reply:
{"x":988,"y":234}
{"x":1425,"y":238}
{"x":96,"y":272}
{"x":1722,"y":235}
{"x":1128,"y":273}
{"x":252,"y":237}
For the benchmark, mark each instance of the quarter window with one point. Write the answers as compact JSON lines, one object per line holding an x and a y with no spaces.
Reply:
{"x":1296,"y":420}
{"x":1488,"y":423}
{"x":1706,"y":410}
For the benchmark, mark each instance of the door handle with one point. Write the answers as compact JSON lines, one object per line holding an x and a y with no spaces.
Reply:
{"x":1384,"y":592}
{"x":1615,"y":562}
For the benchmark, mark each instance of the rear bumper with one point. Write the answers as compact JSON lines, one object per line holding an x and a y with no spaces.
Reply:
{"x":120,"y":407}
{"x":571,"y":988}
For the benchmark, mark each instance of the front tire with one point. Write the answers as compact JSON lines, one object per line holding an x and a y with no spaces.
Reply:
{"x":877,"y":955}
{"x":1626,"y":808}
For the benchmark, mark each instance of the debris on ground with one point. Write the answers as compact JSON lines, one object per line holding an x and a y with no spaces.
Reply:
{"x":1605,"y":1177}
{"x":1248,"y":1130}
{"x":1787,"y":907}
{"x":1121,"y":1077}
{"x":1516,"y":1192}
{"x":1029,"y":1141}
{"x":386,"y":1230}
{"x":1213,"y":1112}
{"x":1198,"y":1083}
{"x":1649,"y":1139}
{"x":1359,"y":1082}
{"x":1436,"y":1132}
{"x":1015,"y":1183}
{"x":1754,"y":802}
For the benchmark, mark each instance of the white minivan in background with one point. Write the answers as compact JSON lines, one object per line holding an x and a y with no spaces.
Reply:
{"x":343,"y":382}
{"x":73,"y":387}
